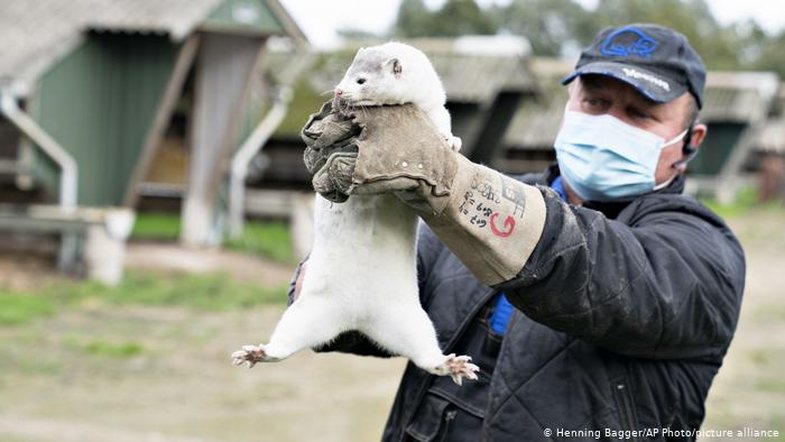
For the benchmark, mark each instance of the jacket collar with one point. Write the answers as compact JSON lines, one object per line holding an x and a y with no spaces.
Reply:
{"x":612,"y":209}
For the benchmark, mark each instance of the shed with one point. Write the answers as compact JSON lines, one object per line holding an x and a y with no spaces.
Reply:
{"x":737,"y":108}
{"x":108,"y":83}
{"x":772,"y":137}
{"x":769,"y":152}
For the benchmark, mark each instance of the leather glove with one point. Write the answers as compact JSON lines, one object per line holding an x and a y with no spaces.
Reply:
{"x":490,"y":221}
{"x":330,"y":152}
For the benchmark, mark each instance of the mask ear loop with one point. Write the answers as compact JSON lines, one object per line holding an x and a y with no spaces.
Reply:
{"x":688,"y":149}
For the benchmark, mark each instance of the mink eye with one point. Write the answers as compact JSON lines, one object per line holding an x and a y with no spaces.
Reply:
{"x":360,"y":80}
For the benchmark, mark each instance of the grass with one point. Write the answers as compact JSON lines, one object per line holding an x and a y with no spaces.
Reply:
{"x":213,"y":291}
{"x":746,"y":200}
{"x":102,"y":347}
{"x":19,"y":308}
{"x":156,"y":226}
{"x":209,"y":292}
{"x":268,"y":239}
{"x":770,"y":385}
{"x":126,"y":349}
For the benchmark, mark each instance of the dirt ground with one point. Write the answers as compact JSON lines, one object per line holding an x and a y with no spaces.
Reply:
{"x":242,"y":267}
{"x":181,"y":386}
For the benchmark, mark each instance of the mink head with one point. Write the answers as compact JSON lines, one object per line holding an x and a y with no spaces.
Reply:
{"x":375,"y":77}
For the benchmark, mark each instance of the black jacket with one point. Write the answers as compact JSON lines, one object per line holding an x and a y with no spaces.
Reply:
{"x":625,"y":313}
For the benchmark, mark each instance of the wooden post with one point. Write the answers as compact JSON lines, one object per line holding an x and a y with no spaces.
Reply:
{"x":772,"y":177}
{"x":225,"y":65}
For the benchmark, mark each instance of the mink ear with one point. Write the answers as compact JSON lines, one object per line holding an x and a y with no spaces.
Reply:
{"x":396,"y":66}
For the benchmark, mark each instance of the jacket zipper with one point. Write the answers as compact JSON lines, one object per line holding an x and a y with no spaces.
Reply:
{"x":626,"y":412}
{"x":449,"y":417}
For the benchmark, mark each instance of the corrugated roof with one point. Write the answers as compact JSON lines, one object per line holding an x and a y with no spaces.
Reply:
{"x":739,"y":96}
{"x":536,"y":123}
{"x":35,"y":33}
{"x":174,"y":17}
{"x":467,"y":77}
{"x":479,"y":78}
{"x":475,"y":68}
{"x":732,"y":104}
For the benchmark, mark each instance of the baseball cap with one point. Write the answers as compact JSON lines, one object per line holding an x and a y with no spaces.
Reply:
{"x":657,"y":61}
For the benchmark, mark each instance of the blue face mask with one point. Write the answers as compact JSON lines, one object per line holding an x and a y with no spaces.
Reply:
{"x":604,"y":159}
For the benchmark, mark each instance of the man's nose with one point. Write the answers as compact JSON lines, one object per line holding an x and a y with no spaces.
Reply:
{"x":618,"y":111}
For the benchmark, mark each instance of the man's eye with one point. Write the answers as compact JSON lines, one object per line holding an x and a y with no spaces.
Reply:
{"x":360,"y":80}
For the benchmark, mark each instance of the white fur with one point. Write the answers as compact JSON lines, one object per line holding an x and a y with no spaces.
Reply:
{"x":362,"y":273}
{"x":417,"y":83}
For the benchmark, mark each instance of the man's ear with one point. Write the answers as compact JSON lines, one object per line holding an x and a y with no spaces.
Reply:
{"x":395,"y":66}
{"x":689,"y":151}
{"x":698,"y":135}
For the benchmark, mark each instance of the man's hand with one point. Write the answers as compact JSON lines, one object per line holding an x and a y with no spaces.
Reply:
{"x":330,"y":152}
{"x":490,"y":221}
{"x":376,"y":150}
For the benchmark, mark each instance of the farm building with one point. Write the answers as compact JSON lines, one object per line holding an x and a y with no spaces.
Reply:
{"x":769,"y":150}
{"x":100,"y":95}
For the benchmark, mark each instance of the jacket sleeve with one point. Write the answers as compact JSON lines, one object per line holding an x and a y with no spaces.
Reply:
{"x":666,"y":283}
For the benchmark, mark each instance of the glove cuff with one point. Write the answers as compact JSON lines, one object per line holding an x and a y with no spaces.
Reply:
{"x":491,"y":222}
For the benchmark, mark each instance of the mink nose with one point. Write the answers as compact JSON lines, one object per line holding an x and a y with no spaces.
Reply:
{"x":338,"y":92}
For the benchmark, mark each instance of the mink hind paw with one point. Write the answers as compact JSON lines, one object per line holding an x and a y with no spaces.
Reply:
{"x":250,"y":355}
{"x":459,"y":368}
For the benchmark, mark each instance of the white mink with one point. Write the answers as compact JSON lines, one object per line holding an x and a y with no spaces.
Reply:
{"x":362,"y":270}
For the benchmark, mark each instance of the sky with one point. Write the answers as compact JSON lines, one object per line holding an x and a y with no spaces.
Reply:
{"x":320,"y":20}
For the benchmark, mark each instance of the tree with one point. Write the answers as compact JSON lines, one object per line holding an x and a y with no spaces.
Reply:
{"x":455,"y":18}
{"x":772,"y":55}
{"x":553,"y":26}
{"x":718,"y":46}
{"x":462,"y":17}
{"x":413,"y":19}
{"x":549,"y":25}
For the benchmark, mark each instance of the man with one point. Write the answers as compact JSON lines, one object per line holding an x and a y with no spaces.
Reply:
{"x":626,"y":293}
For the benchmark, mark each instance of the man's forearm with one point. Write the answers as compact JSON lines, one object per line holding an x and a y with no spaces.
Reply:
{"x":491,"y":222}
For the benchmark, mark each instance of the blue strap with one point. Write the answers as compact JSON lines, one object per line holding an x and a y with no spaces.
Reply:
{"x":502,"y":311}
{"x":558,"y":186}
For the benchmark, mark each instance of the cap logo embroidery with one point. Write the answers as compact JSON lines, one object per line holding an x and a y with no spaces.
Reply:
{"x":647,"y":77}
{"x":628,"y":41}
